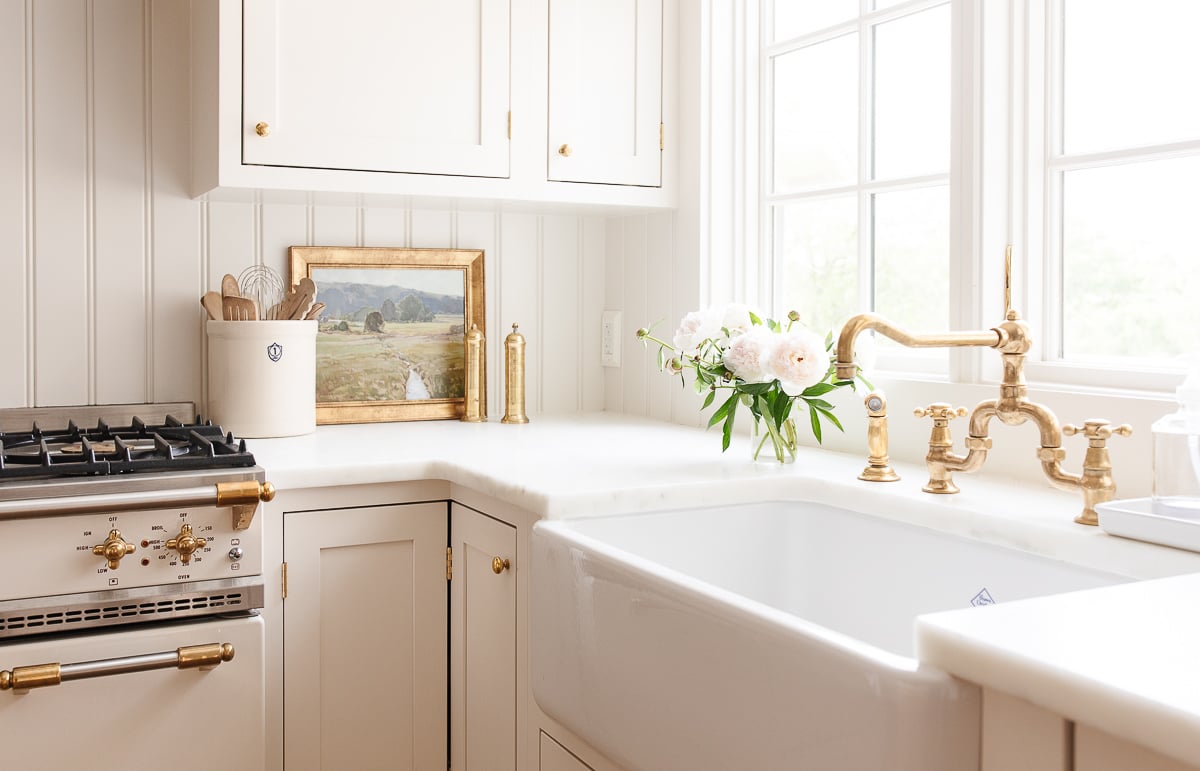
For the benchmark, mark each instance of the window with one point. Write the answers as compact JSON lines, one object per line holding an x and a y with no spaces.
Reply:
{"x":1120,"y":158}
{"x":858,"y":177}
{"x":1069,"y":128}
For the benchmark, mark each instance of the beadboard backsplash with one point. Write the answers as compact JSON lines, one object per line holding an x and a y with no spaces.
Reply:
{"x":105,"y":256}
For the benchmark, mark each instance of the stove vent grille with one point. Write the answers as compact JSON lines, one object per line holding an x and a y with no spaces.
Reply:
{"x":90,"y":610}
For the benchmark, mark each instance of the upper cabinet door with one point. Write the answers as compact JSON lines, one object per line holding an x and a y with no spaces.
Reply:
{"x":377,"y":85}
{"x":605,"y":104}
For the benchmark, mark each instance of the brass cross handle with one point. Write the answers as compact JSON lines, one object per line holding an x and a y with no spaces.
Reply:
{"x":940,"y":411}
{"x":1098,"y":430}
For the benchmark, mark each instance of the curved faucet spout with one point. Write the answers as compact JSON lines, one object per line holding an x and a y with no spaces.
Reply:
{"x":846,"y":368}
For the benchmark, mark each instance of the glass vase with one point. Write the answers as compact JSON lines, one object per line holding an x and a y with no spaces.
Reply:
{"x":773,"y":445}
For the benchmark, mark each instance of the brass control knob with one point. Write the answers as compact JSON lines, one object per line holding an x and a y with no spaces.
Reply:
{"x":262,"y":128}
{"x":565,"y":151}
{"x":113,"y":549}
{"x":499,"y":565}
{"x":186,"y":544}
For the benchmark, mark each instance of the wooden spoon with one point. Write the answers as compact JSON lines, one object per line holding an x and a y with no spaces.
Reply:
{"x":229,"y":286}
{"x":314,"y":311}
{"x":211,"y":301}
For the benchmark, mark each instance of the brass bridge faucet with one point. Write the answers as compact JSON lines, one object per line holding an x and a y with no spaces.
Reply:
{"x":1013,"y":407}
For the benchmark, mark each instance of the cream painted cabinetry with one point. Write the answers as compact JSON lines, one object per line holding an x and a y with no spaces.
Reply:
{"x":483,"y":642}
{"x":465,"y":99}
{"x":399,"y":632}
{"x":552,"y":756}
{"x":363,"y":85}
{"x":605,"y":104}
{"x":1021,"y":736}
{"x":364,"y":637}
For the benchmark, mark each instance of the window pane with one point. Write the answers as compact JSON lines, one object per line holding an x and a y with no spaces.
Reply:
{"x":912,"y":258}
{"x":1130,"y":259}
{"x":912,"y":95}
{"x":816,"y":115}
{"x":819,"y":247}
{"x":1129,"y":73}
{"x":798,"y":17}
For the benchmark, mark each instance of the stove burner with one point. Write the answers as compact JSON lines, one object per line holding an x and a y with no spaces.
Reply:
{"x":106,"y":450}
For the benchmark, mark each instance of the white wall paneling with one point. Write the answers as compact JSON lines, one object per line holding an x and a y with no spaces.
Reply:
{"x":16,"y":344}
{"x":176,"y":236}
{"x":105,"y":256}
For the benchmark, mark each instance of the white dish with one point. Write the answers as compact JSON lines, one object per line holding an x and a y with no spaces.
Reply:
{"x":1134,"y":518}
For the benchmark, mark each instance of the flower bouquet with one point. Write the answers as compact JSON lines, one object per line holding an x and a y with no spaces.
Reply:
{"x":766,"y":365}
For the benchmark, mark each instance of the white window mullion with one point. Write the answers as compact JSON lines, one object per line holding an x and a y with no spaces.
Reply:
{"x":866,"y":153}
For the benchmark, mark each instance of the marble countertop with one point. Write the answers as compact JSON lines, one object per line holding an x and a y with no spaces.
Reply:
{"x":1120,"y":658}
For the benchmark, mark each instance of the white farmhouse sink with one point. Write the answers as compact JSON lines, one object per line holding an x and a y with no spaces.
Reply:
{"x":768,"y":636}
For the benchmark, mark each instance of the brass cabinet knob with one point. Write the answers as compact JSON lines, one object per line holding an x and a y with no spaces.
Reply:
{"x":499,"y":565}
{"x":113,"y":549}
{"x":565,"y":151}
{"x":186,"y":544}
{"x":262,"y":128}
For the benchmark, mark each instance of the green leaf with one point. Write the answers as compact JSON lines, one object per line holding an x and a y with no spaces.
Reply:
{"x":831,"y":418}
{"x":726,"y":408}
{"x":662,"y":359}
{"x":819,"y":403}
{"x":727,"y":429}
{"x":818,"y":389}
{"x":815,"y":422}
{"x":754,"y":319}
{"x":708,"y":400}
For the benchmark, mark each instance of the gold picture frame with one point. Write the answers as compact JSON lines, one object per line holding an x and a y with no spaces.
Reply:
{"x":390,"y":340}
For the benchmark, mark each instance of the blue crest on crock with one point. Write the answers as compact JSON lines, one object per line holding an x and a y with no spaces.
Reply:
{"x":275,"y":351}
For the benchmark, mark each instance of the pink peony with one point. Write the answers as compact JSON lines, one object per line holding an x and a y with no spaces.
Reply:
{"x":798,"y":360}
{"x":747,"y":355}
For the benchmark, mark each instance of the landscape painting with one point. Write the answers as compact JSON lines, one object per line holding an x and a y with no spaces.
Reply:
{"x":390,"y":340}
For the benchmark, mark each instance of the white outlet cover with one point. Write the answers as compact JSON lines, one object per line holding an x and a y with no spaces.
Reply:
{"x":610,"y":339}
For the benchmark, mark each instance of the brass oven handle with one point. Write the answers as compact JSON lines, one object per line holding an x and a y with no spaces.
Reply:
{"x":237,"y":495}
{"x":189,"y":657}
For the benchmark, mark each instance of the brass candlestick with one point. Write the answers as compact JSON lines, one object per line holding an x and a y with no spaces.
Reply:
{"x":514,"y":378}
{"x":475,"y":403}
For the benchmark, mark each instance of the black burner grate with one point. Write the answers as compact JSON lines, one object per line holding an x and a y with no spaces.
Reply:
{"x":108,"y":450}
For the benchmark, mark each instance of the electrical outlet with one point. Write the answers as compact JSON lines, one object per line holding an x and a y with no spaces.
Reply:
{"x":610,"y":339}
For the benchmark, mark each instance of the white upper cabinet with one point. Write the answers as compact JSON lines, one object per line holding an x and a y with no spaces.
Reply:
{"x":605,"y":86}
{"x":420,"y":86}
{"x":436,"y":99}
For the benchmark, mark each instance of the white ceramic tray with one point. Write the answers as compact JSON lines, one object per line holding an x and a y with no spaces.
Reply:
{"x":1133,"y":518}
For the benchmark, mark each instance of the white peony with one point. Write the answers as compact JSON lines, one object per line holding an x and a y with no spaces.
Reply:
{"x":798,"y":360}
{"x":736,"y":318}
{"x":747,"y":355}
{"x":695,"y":328}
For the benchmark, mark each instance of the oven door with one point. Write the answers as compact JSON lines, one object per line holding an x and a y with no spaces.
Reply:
{"x":192,"y":718}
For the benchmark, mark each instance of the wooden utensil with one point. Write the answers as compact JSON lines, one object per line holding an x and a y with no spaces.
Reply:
{"x":238,"y":309}
{"x":229,"y":286}
{"x":211,"y":302}
{"x":314,"y":311}
{"x":298,"y":299}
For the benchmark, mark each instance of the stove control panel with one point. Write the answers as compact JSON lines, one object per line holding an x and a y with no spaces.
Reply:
{"x":97,"y":552}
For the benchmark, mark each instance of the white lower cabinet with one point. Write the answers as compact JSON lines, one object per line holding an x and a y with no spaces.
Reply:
{"x":1021,"y":736}
{"x":365,"y":636}
{"x":552,"y":756}
{"x":399,"y":639}
{"x":483,"y":642}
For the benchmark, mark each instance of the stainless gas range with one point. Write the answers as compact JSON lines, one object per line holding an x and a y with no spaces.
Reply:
{"x":130,"y":548}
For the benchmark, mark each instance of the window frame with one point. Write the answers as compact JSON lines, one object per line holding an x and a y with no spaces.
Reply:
{"x":1004,"y":184}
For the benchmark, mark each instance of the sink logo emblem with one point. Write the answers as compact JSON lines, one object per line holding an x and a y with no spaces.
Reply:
{"x":982,"y":598}
{"x":275,"y":351}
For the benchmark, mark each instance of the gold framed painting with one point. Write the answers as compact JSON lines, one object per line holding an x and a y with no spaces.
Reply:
{"x":390,"y":340}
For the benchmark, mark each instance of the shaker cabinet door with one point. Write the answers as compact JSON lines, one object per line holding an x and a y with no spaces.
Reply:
{"x":605,"y":91}
{"x":483,"y":642}
{"x":377,"y":85}
{"x":365,"y":638}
